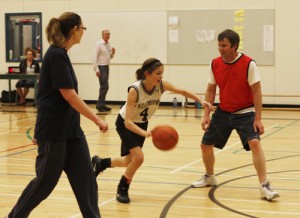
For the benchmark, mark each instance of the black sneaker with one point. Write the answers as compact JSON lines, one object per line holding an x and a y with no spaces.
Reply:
{"x":122,"y":195}
{"x":101,"y":109}
{"x":107,"y":108}
{"x":98,"y":168}
{"x":122,"y":192}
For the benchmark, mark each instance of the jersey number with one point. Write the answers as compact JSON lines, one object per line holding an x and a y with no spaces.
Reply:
{"x":144,"y":114}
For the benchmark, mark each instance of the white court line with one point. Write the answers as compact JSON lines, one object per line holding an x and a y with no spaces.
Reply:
{"x":242,"y":210}
{"x":15,"y":120}
{"x":207,"y":208}
{"x":55,"y":198}
{"x":102,"y":204}
{"x":15,"y":130}
{"x":240,"y":200}
{"x":226,"y":148}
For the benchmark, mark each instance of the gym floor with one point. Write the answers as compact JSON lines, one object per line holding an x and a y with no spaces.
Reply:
{"x":161,"y":187}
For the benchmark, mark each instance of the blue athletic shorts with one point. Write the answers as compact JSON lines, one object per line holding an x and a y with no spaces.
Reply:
{"x":221,"y":125}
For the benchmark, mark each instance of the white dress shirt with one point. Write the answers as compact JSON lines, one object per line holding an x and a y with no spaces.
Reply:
{"x":102,"y":54}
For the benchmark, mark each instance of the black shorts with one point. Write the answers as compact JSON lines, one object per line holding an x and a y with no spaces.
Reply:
{"x":129,"y":139}
{"x":222,"y":124}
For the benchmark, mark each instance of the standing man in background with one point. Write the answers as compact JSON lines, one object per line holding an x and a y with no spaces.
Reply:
{"x":101,"y":59}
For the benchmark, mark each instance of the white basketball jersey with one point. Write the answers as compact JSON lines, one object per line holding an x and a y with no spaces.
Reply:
{"x":146,"y":102}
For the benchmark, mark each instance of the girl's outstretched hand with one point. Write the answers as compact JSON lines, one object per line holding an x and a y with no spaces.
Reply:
{"x":207,"y":104}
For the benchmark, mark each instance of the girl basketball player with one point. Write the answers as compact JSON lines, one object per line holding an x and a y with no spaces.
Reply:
{"x":132,"y":122}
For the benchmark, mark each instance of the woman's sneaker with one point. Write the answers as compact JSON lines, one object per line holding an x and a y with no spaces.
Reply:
{"x":97,"y":165}
{"x":267,"y":192}
{"x":206,"y":180}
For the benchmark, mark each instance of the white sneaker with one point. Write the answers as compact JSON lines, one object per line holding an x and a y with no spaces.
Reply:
{"x":267,"y":193}
{"x":206,"y":180}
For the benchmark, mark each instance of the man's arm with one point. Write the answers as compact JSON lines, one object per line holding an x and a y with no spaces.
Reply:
{"x":257,"y":98}
{"x":113,"y":51}
{"x":210,"y":95}
{"x":95,"y":58}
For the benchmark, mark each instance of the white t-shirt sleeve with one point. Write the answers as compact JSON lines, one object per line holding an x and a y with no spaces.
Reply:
{"x":253,"y":73}
{"x":211,"y":78}
{"x":95,"y":57}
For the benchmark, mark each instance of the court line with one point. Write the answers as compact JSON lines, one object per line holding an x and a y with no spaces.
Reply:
{"x":170,"y":203}
{"x":217,"y":152}
{"x":71,"y":199}
{"x":15,"y":120}
{"x":114,"y":198}
{"x":243,"y":210}
{"x":23,"y":146}
{"x":16,"y":148}
{"x":212,"y":191}
{"x":102,"y":204}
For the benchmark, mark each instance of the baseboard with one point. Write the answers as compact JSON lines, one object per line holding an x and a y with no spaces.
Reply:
{"x":191,"y":104}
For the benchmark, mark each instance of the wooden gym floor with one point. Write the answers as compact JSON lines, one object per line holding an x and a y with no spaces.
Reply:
{"x":161,"y":187}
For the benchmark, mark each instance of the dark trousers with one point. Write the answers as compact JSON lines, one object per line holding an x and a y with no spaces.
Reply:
{"x":103,"y":80}
{"x":54,"y":157}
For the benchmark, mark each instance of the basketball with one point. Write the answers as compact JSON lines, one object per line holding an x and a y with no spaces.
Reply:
{"x":164,"y":137}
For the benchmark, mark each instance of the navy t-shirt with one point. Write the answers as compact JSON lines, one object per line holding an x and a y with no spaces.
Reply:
{"x":56,"y":118}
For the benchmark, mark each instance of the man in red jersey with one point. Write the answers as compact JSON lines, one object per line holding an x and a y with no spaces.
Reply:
{"x":237,"y":77}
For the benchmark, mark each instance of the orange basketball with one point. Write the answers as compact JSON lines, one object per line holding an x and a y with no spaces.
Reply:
{"x":164,"y":137}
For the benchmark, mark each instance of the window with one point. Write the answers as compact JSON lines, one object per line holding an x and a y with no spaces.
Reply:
{"x":23,"y":30}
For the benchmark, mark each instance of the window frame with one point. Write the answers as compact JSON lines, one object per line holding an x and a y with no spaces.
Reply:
{"x":20,"y":27}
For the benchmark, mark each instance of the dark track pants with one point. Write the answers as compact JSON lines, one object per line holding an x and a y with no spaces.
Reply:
{"x":103,"y":80}
{"x":54,"y":157}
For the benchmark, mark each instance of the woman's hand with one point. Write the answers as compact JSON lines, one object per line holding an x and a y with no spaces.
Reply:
{"x":103,"y":126}
{"x":34,"y":141}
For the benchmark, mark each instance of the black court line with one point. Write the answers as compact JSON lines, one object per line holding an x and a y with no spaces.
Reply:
{"x":16,"y":153}
{"x":212,"y":190}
